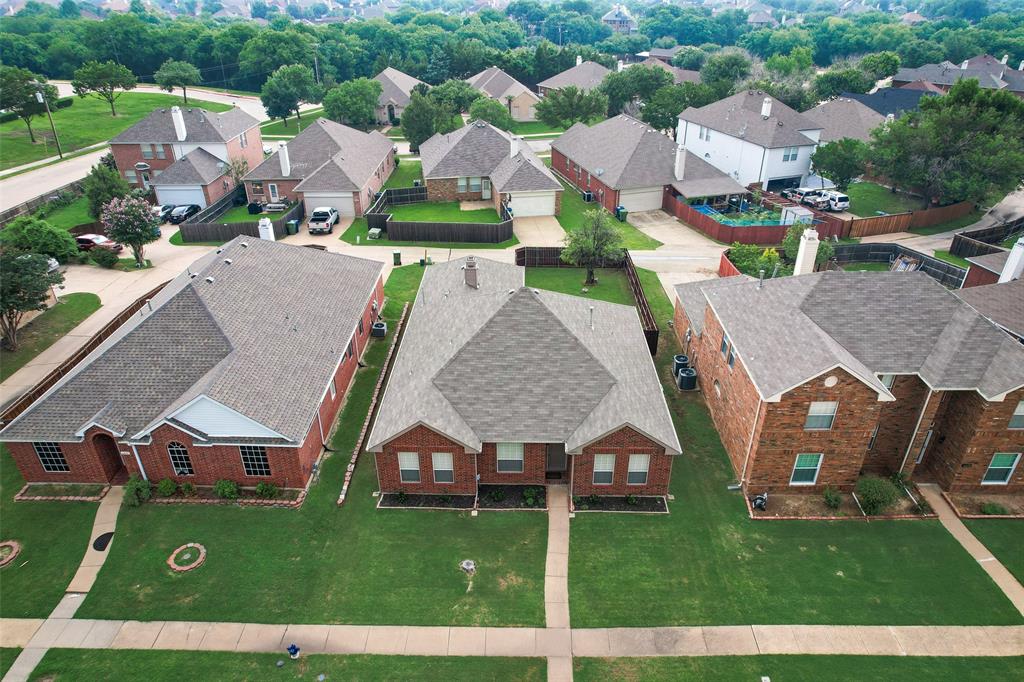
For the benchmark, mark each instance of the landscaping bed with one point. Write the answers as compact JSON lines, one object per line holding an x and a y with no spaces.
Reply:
{"x":986,"y":505}
{"x":513,"y":497}
{"x":286,"y":497}
{"x":629,"y":503}
{"x":415,"y":501}
{"x":797,"y":506}
{"x":63,"y":492}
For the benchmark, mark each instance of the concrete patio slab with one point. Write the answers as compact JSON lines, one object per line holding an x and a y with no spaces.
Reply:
{"x":427,"y":641}
{"x":554,"y":642}
{"x":312,"y":639}
{"x":181,"y":635}
{"x":590,"y":642}
{"x":16,"y":632}
{"x":466,"y":641}
{"x":258,"y":637}
{"x":135,"y":634}
{"x":538,"y":231}
{"x":386,"y":639}
{"x":101,"y":634}
{"x":347,"y":639}
{"x":730,"y":640}
{"x":511,"y":642}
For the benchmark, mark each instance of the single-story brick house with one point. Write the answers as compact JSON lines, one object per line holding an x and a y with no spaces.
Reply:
{"x":624,"y":162}
{"x":230,"y":373}
{"x":811,"y":381}
{"x":480,"y":162}
{"x":183,"y":154}
{"x":501,"y":87}
{"x":327,"y":164}
{"x":396,"y":90}
{"x":499,"y":383}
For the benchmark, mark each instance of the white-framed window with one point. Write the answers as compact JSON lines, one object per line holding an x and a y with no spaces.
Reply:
{"x":510,"y":458}
{"x":604,"y":469}
{"x":638,"y":466}
{"x":821,"y":416}
{"x":1017,"y":420}
{"x":51,"y":457}
{"x":409,"y":467}
{"x":181,"y":463}
{"x":243,"y":140}
{"x":874,"y":436}
{"x":805,"y":469}
{"x":704,"y":133}
{"x":1001,"y":468}
{"x":257,"y":188}
{"x":730,"y":359}
{"x":475,"y":184}
{"x":147,"y":151}
{"x":160,"y":153}
{"x":444,"y":470}
{"x":129,"y":175}
{"x":254,"y":460}
{"x":333,"y":388}
{"x":887,"y":379}
{"x":725,"y":345}
{"x":790,"y":154}
{"x":461,"y":185}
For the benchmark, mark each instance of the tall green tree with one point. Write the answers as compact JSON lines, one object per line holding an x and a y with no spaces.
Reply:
{"x":286,"y":89}
{"x":455,"y":94}
{"x":102,"y":184}
{"x":25,"y":282}
{"x":593,"y":243}
{"x":662,"y":111}
{"x":18,"y":88}
{"x":418,"y":119}
{"x":634,"y":84}
{"x":29,"y":234}
{"x":176,"y":74}
{"x":690,"y":57}
{"x":563,"y":107}
{"x":492,"y":111}
{"x":104,"y":80}
{"x":723,"y":70}
{"x":841,"y":161}
{"x":835,"y":82}
{"x":880,"y":64}
{"x":354,"y":102}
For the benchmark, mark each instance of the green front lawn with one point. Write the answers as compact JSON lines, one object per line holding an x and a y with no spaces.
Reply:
{"x":7,"y":656}
{"x":794,"y":668}
{"x":950,"y":258}
{"x":291,"y":126}
{"x":397,"y":132}
{"x":404,"y":174}
{"x":60,"y":665}
{"x":1005,"y":539}
{"x":535,"y":128}
{"x":86,"y":122}
{"x":74,"y":214}
{"x":867,"y":199}
{"x":325,"y":564}
{"x":53,"y":537}
{"x":443,"y":212}
{"x":571,"y":218}
{"x":43,"y":331}
{"x":178,"y":241}
{"x":612,"y":285}
{"x":357,"y":233}
{"x":240,"y":214}
{"x":708,"y":563}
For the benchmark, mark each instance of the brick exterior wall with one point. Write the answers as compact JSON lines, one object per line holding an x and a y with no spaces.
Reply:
{"x":446,"y":189}
{"x":896,"y":424}
{"x":127,"y":155}
{"x":582,"y":180}
{"x":253,"y":150}
{"x":85,"y":463}
{"x":285,"y":188}
{"x":425,"y":442}
{"x":534,"y":465}
{"x":622,"y":444}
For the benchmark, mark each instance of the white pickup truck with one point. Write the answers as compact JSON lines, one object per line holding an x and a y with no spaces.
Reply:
{"x":322,"y":220}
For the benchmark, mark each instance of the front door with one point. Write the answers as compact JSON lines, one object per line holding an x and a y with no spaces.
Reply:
{"x":274,"y":196}
{"x":110,"y":457}
{"x":556,"y":460}
{"x":485,"y":188}
{"x":145,"y":181}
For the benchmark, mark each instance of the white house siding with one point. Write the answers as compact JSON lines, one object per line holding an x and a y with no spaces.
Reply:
{"x":218,"y":150}
{"x":744,"y":161}
{"x":215,"y":419}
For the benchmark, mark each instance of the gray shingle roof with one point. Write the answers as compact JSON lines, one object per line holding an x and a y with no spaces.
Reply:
{"x":497,"y":84}
{"x":1001,"y":303}
{"x":328,"y":156}
{"x":585,"y":76}
{"x":481,"y":150}
{"x":396,"y":87}
{"x":887,"y":101}
{"x":989,"y":71}
{"x":200,"y":126}
{"x":993,"y":262}
{"x":198,"y":167}
{"x":740,"y":116}
{"x":795,"y":328}
{"x":505,"y":363}
{"x":678,"y":75}
{"x":245,"y":340}
{"x":625,"y":153}
{"x":843,"y":117}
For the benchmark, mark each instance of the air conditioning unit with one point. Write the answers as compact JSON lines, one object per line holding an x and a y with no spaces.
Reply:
{"x":588,"y":197}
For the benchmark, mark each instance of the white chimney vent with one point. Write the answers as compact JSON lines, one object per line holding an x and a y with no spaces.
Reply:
{"x":680,"y":166}
{"x":766,"y":107}
{"x":963,"y":67}
{"x":472,"y":273}
{"x":620,"y":65}
{"x":1014,"y":263}
{"x":179,"y":124}
{"x":514,"y":147}
{"x":282,"y":156}
{"x":1005,"y":59}
{"x":1020,"y":67}
{"x":579,"y":60}
{"x":807,"y":253}
{"x":267,"y":230}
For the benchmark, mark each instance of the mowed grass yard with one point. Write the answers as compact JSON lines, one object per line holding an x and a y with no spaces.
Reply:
{"x":45,"y":329}
{"x":443,"y":212}
{"x":325,"y":564}
{"x":1005,"y":539}
{"x":74,"y":214}
{"x":358,"y":233}
{"x":708,"y":563}
{"x":68,"y":665}
{"x":572,"y":215}
{"x":797,"y":668}
{"x":869,"y":199}
{"x":291,"y":125}
{"x":84,"y":123}
{"x":612,"y":285}
{"x":404,"y":174}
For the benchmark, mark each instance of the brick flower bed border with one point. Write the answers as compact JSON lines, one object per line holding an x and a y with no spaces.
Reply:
{"x":351,"y":468}
{"x":242,"y":501}
{"x":22,"y":496}
{"x":195,"y":564}
{"x":879,"y":517}
{"x":15,"y":551}
{"x":962,"y":515}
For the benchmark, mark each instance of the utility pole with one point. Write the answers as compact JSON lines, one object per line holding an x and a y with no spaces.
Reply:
{"x":42,"y":100}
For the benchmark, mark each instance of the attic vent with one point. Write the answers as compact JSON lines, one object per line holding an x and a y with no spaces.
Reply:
{"x":209,"y":280}
{"x":244,"y":245}
{"x":227,"y":261}
{"x":192,"y":275}
{"x":220,"y":251}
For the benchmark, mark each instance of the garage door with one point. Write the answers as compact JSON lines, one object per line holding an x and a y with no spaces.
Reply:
{"x":340,"y":200}
{"x":180,"y":195}
{"x":646,"y":199}
{"x":526,"y":204}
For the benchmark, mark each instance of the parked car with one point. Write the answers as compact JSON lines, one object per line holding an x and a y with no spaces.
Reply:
{"x":163,"y":212}
{"x":804,"y":195}
{"x":88,"y":242}
{"x":837,"y":201}
{"x":182,"y":213}
{"x":322,"y":220}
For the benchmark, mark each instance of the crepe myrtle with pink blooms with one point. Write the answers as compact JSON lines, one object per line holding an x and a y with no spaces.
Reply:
{"x":131,"y":221}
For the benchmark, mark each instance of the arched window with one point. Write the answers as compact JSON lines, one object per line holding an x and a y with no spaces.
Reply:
{"x":181,"y":463}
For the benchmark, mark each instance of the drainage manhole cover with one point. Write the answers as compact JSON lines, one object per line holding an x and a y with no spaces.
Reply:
{"x":100,"y":543}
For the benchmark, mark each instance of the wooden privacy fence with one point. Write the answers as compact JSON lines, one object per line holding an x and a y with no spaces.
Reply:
{"x":222,"y":232}
{"x":985,"y":240}
{"x":379,"y":217}
{"x":947,"y":274}
{"x":46,"y":383}
{"x":551,"y":257}
{"x":902,"y":222}
{"x":9,"y":214}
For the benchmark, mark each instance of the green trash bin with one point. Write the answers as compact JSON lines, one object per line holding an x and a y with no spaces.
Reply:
{"x":292,"y":226}
{"x":396,"y":256}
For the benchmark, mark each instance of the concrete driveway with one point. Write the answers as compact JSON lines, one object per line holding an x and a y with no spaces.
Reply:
{"x":687,"y":255}
{"x":538,"y":231}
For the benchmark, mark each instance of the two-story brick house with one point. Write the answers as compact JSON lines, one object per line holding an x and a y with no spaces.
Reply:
{"x":227,"y":374}
{"x":499,"y":383}
{"x":811,"y":381}
{"x":183,"y":154}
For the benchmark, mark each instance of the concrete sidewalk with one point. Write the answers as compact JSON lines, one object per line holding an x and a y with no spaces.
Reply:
{"x":557,"y":639}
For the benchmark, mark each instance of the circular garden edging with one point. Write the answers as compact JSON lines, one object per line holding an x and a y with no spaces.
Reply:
{"x":9,"y":550}
{"x":187,"y":557}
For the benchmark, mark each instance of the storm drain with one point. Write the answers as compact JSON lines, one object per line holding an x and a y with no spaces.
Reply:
{"x":101,"y":542}
{"x":468,"y":565}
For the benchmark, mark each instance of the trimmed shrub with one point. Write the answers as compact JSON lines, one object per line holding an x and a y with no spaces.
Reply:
{"x":832,"y":498}
{"x":136,"y":491}
{"x":994,"y":509}
{"x":104,"y":258}
{"x":166,"y":488}
{"x":225,"y":489}
{"x":876,"y":494}
{"x":34,"y":235}
{"x":188,"y":489}
{"x":266,"y":490}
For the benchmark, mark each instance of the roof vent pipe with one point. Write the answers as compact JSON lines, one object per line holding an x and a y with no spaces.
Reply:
{"x":579,"y":60}
{"x":179,"y":124}
{"x":282,"y":156}
{"x":620,"y":65}
{"x":1005,"y":59}
{"x":472,"y":273}
{"x":591,"y":317}
{"x":760,"y":278}
{"x":209,"y":280}
{"x":963,"y":67}
{"x":766,"y":107}
{"x":1014,"y":263}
